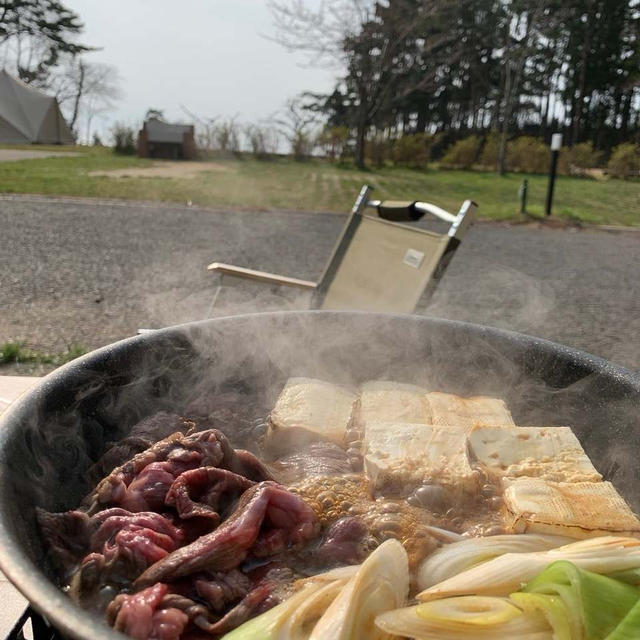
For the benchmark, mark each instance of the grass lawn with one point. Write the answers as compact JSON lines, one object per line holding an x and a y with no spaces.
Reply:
{"x":320,"y":186}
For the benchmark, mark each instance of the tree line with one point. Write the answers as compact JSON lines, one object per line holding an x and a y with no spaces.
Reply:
{"x":473,"y":67}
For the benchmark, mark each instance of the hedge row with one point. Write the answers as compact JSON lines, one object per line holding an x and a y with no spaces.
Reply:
{"x":526,"y":154}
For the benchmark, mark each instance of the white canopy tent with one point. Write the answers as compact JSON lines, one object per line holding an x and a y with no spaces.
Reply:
{"x":28,"y":115}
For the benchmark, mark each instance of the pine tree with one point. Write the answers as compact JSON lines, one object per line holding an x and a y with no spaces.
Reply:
{"x":34,"y":34}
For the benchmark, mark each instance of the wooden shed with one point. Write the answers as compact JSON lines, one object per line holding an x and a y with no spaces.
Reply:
{"x":159,"y":139}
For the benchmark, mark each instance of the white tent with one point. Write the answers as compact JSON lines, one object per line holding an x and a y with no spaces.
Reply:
{"x":29,"y":115}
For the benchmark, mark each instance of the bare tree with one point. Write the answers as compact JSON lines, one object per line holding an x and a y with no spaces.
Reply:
{"x":206,"y":129}
{"x":214,"y":133}
{"x":85,"y":90}
{"x":263,"y":139}
{"x":295,"y":123}
{"x":227,"y":135}
{"x":319,"y":33}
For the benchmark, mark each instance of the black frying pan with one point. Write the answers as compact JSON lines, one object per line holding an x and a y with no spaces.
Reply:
{"x":52,"y":435}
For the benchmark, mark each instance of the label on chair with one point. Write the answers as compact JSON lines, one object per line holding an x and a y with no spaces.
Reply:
{"x":413,"y":258}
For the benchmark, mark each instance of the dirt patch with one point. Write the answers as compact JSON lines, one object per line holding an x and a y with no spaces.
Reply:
{"x":166,"y":169}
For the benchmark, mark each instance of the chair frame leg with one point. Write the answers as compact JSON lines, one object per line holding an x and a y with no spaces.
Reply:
{"x":215,"y":296}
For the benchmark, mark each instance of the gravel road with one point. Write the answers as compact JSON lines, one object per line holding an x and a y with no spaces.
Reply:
{"x":91,"y":272}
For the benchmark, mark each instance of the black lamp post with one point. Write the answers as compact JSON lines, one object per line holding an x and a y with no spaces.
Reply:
{"x":556,"y":144}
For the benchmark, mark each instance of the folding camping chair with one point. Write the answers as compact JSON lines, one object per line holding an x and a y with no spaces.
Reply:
{"x":377,"y":263}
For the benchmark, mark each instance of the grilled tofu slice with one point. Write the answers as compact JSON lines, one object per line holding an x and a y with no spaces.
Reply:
{"x":308,"y":410}
{"x":449,"y":410}
{"x":551,"y":453}
{"x":574,"y":509}
{"x":384,"y":401}
{"x":399,"y":456}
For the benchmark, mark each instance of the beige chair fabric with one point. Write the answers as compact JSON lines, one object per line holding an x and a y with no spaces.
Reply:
{"x":386,"y":268}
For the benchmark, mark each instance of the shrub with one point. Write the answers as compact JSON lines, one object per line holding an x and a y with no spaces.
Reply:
{"x":578,"y":158}
{"x":378,"y":150}
{"x":528,"y":154}
{"x":624,"y":161}
{"x":463,"y":153}
{"x":227,"y":136}
{"x":333,"y":141}
{"x":263,"y":140}
{"x":124,"y":139}
{"x":412,"y":151}
{"x":302,"y":145}
{"x":489,"y":156}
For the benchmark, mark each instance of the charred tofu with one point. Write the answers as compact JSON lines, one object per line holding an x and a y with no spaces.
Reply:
{"x":575,"y":509}
{"x":551,"y":453}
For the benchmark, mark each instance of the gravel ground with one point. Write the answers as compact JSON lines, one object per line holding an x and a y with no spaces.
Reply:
{"x":91,"y":272}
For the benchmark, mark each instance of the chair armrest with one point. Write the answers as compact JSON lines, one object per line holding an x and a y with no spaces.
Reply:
{"x":427,"y":207}
{"x":396,"y":210}
{"x":261,"y":276}
{"x":401,"y":211}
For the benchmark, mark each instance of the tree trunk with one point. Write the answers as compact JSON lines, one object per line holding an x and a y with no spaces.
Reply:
{"x":361,"y":134}
{"x":421,"y":124}
{"x":626,"y":112}
{"x":502,"y":149}
{"x":582,"y":79}
{"x":545,"y":114}
{"x":78,"y":96}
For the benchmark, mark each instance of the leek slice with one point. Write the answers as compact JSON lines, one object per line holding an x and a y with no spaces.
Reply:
{"x":269,"y":625}
{"x":474,"y":610}
{"x":594,"y":605}
{"x":302,"y":621}
{"x":454,"y":558}
{"x":407,"y":623}
{"x":507,"y":573}
{"x":552,"y":607}
{"x":381,"y":584}
{"x":340,"y":604}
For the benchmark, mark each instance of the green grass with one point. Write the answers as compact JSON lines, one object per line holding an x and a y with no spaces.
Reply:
{"x":320,"y":186}
{"x":18,"y":353}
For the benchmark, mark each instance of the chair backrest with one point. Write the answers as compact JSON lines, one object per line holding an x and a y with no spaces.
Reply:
{"x":378,"y":265}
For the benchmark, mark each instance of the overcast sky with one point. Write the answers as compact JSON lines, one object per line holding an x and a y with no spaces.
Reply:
{"x":209,"y":55}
